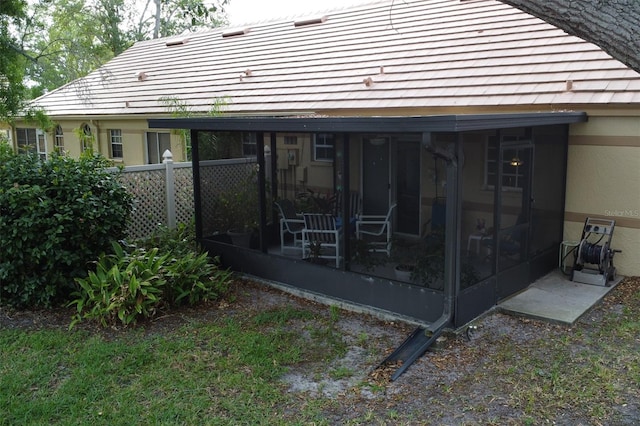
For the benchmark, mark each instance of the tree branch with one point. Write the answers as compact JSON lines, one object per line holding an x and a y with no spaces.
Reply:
{"x":612,"y":24}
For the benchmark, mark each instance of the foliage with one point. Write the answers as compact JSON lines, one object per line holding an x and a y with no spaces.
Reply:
{"x":178,"y":241}
{"x":64,"y":40}
{"x":211,"y":146}
{"x":12,"y":90}
{"x":136,"y":282}
{"x":363,"y":254}
{"x":56,"y":216}
{"x":236,"y":207}
{"x":123,"y":287}
{"x":315,"y":202}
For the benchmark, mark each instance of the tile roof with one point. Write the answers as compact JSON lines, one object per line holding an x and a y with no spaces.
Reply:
{"x":428,"y":54}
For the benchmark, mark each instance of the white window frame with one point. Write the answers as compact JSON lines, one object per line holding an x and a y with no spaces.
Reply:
{"x":156,"y":145}
{"x":115,"y":140}
{"x":36,"y":145}
{"x":323,"y":143}
{"x":505,"y":161}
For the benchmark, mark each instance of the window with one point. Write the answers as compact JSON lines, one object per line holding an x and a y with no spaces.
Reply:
{"x":513,"y":171}
{"x":249,"y":145}
{"x":26,"y":139}
{"x":115,"y":136}
{"x":323,"y":144}
{"x":58,"y":139}
{"x":86,"y":138}
{"x":291,"y":140}
{"x":32,"y":140}
{"x":157,"y":144}
{"x":5,"y":136}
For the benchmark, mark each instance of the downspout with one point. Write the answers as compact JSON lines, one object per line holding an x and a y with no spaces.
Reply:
{"x":452,"y":230}
{"x":416,"y":345}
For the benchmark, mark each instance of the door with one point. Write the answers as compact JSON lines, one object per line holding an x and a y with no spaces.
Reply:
{"x":514,"y":215}
{"x":375,"y":176}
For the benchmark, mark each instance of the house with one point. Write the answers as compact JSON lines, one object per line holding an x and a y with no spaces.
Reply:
{"x":467,"y":115}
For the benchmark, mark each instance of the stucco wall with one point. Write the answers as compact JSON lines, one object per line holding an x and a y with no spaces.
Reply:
{"x":133,"y":138}
{"x":603,"y":180}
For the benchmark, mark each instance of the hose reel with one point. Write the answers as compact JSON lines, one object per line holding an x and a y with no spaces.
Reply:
{"x":593,"y":262}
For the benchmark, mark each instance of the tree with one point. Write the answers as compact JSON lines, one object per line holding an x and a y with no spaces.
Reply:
{"x":169,"y":17}
{"x":12,"y":90}
{"x":63,"y":40}
{"x":613,"y":25}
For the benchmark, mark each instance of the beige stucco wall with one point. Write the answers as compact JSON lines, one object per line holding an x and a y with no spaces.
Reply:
{"x":603,"y":180}
{"x":133,"y":138}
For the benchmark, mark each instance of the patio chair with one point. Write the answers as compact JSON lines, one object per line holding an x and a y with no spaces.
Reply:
{"x":291,"y":223}
{"x":320,"y":235}
{"x":378,"y":227}
{"x":355,"y":204}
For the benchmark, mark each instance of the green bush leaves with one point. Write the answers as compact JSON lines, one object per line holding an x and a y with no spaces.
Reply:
{"x":134,"y":283}
{"x":56,"y":216}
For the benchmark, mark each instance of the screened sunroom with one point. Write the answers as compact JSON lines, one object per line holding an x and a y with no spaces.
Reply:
{"x":431,"y":219}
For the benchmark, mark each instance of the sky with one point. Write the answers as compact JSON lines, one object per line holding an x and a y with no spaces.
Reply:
{"x":251,"y":11}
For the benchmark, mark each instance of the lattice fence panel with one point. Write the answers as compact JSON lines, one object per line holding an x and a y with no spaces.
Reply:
{"x":149,"y":201}
{"x":215,"y":177}
{"x":183,"y":194}
{"x":147,"y":184}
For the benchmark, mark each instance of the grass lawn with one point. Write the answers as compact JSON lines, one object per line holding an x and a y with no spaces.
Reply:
{"x":221,"y":372}
{"x":227,"y":366}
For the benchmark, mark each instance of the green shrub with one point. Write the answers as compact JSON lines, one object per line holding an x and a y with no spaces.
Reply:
{"x":177,"y":241}
{"x":123,"y":287}
{"x":56,"y":217}
{"x":193,"y":279}
{"x":134,"y":283}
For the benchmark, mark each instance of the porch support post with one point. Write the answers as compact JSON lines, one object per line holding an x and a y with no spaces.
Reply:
{"x":457,"y":220}
{"x":195,"y":171}
{"x":497,"y":205}
{"x":274,"y":185}
{"x":262,"y":196}
{"x":346,"y":199}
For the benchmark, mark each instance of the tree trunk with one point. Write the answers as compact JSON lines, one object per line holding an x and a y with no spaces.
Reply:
{"x":613,"y":25}
{"x":156,"y":27}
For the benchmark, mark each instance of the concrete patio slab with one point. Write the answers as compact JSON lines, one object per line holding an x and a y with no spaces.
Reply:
{"x":556,"y":299}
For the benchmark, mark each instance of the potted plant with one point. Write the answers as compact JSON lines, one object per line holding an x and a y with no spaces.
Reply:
{"x":236,"y":211}
{"x":420,"y":261}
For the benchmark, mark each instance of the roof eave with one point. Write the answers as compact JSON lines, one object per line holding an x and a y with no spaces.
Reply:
{"x":437,"y":123}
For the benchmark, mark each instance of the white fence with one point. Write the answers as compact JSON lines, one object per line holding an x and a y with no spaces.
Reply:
{"x":163,"y":193}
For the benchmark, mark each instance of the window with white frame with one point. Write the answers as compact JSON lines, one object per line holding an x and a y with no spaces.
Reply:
{"x":323,"y":146}
{"x":513,"y":168}
{"x":26,"y":139}
{"x":157,"y":144}
{"x":115,"y":138}
{"x":32,"y":140}
{"x":249,"y":144}
{"x":58,"y":139}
